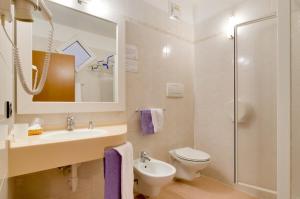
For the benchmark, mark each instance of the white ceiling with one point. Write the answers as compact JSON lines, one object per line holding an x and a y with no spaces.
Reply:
{"x":208,"y":8}
{"x":197,"y":10}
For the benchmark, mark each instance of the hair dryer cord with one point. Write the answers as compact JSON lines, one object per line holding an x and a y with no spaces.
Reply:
{"x":19,"y":69}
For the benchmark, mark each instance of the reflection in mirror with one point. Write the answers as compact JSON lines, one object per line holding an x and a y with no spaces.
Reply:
{"x":82,"y":66}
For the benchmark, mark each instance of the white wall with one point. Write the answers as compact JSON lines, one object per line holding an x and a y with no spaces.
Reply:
{"x":295,"y":100}
{"x":6,"y":94}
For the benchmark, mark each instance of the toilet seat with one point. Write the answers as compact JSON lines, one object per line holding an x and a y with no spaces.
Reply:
{"x":192,"y":155}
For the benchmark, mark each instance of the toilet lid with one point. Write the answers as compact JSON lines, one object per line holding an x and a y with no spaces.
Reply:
{"x":190,"y":154}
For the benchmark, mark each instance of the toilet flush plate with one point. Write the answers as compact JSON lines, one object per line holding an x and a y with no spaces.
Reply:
{"x":175,"y":90}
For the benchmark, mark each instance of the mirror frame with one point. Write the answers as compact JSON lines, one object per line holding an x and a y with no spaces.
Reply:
{"x":25,"y":105}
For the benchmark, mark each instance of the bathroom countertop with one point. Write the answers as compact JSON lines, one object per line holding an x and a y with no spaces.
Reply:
{"x":34,"y":154}
{"x":16,"y":142}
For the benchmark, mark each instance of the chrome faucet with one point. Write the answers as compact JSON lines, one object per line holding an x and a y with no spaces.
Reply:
{"x":144,"y":157}
{"x":70,"y":123}
{"x":91,"y":125}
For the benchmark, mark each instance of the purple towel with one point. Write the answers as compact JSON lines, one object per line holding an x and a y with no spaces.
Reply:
{"x":112,"y":174}
{"x":146,"y":122}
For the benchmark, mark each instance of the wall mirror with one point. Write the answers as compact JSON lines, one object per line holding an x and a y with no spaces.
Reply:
{"x":86,"y":71}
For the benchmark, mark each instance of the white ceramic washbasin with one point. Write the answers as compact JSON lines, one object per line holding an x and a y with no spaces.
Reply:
{"x":152,"y":175}
{"x":30,"y":154}
{"x":72,"y":135}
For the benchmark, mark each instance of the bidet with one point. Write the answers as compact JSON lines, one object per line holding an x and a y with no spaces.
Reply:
{"x":152,"y":175}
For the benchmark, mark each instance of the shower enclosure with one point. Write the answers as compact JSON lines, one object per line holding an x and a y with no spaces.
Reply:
{"x":256,"y":106}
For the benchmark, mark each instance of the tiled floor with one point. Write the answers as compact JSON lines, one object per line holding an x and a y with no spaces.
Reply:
{"x":201,"y":188}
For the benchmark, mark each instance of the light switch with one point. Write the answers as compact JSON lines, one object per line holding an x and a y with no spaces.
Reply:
{"x":175,"y":90}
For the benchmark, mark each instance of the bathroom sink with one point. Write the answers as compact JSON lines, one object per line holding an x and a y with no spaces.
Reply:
{"x":152,"y":175}
{"x":31,"y":154}
{"x":71,"y":135}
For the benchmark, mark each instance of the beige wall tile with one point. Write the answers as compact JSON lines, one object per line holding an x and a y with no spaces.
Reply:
{"x":147,"y":88}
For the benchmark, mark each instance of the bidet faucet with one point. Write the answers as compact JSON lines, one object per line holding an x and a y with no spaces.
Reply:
{"x":144,"y":156}
{"x":70,"y":123}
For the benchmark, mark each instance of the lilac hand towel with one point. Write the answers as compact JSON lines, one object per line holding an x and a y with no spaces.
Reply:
{"x":112,"y":174}
{"x":146,"y":122}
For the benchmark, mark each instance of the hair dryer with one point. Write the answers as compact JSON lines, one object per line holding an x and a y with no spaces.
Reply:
{"x":23,"y":12}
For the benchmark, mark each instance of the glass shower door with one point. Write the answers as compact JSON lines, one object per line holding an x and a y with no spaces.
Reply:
{"x":255,"y":105}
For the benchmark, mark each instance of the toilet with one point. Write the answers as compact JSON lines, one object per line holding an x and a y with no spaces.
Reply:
{"x":188,"y":162}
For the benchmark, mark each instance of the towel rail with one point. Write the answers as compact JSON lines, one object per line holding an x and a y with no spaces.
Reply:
{"x":141,"y":109}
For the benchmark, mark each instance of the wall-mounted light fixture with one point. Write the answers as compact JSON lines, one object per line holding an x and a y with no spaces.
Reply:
{"x":174,"y":11}
{"x":230,"y":27}
{"x":166,"y":51}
